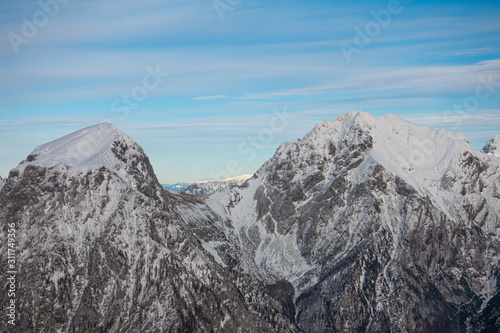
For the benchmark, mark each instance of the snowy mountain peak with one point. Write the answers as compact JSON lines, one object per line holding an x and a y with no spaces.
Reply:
{"x":421,"y":156}
{"x":342,"y":123}
{"x":350,"y":183}
{"x":91,"y":148}
{"x":379,"y":128}
{"x":492,"y":147}
{"x":353,"y":115}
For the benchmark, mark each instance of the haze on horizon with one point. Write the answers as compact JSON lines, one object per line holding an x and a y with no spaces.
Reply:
{"x":211,"y":88}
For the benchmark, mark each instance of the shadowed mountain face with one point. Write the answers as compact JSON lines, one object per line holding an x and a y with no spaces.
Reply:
{"x":103,"y":249}
{"x":364,"y":225}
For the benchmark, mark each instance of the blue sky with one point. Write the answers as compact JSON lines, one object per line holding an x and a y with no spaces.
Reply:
{"x":227,"y":71}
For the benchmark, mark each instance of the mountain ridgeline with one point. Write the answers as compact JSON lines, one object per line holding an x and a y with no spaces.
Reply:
{"x":367,"y":224}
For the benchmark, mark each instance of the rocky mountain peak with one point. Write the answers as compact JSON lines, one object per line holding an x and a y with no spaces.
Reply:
{"x":113,"y":252}
{"x":368,"y":208}
{"x":419,"y":155}
{"x":492,"y":147}
{"x":83,"y":149}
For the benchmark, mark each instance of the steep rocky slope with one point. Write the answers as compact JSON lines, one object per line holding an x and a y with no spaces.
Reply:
{"x":101,"y":248}
{"x":378,"y":224}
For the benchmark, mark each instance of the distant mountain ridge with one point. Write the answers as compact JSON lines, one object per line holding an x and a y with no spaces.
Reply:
{"x":176,"y":186}
{"x":205,"y":187}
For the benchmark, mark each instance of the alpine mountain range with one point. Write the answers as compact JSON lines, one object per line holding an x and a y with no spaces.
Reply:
{"x":367,"y":224}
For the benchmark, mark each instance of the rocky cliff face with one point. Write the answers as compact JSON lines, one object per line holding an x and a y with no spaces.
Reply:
{"x":101,"y":248}
{"x":380,"y":225}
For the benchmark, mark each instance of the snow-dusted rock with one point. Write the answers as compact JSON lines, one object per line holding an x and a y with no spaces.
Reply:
{"x":368,"y":218}
{"x":492,"y":147}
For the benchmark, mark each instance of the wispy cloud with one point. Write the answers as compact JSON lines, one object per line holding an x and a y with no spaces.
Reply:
{"x":420,"y":80}
{"x":210,"y":97}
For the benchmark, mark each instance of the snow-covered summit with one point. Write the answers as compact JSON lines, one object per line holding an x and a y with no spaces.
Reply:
{"x":419,"y":155}
{"x":492,"y":147}
{"x":101,"y":145}
{"x":393,"y":141}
